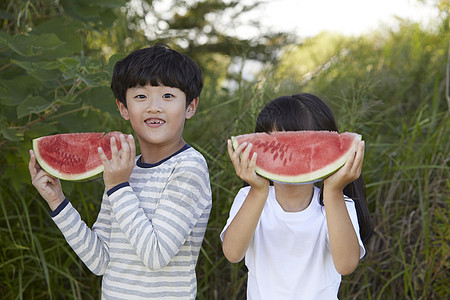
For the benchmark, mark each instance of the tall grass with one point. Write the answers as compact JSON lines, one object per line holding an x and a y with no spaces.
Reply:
{"x":388,"y":87}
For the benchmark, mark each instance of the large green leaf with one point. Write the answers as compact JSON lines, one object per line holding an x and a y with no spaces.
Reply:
{"x":30,"y":45}
{"x":101,"y":98}
{"x":36,"y":104}
{"x":81,"y":11}
{"x":43,"y":70}
{"x":15,"y":91}
{"x":86,"y":120}
{"x":96,"y":79}
{"x":67,"y":30}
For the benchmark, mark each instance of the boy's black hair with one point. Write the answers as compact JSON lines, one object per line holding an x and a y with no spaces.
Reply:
{"x":307,"y":112}
{"x":157,"y":65}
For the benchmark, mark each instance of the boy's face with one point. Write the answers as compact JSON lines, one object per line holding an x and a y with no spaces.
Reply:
{"x":157,"y":115}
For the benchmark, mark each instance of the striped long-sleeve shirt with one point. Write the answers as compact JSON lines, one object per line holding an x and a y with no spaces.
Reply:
{"x":147,"y":236}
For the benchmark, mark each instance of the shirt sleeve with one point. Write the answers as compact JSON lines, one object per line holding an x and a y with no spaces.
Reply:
{"x":91,"y":246}
{"x":235,"y":207}
{"x":183,"y":201}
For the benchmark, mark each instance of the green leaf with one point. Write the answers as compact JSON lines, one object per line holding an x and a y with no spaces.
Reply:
{"x":91,"y":121}
{"x":21,"y":44}
{"x":31,"y":45}
{"x":101,"y":98}
{"x":108,"y":17}
{"x":67,"y":30}
{"x":11,"y":134}
{"x":42,"y":71}
{"x":68,"y":99}
{"x":112,"y":62}
{"x":69,"y":63}
{"x":63,"y":27}
{"x":41,"y":129}
{"x":104,"y":3}
{"x":36,"y":104}
{"x":15,"y":91}
{"x":47,"y":41}
{"x":3,"y":39}
{"x":97,"y":79}
{"x":80,"y":11}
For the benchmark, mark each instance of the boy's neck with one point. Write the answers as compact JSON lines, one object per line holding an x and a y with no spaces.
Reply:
{"x":292,"y":197}
{"x":151,"y":154}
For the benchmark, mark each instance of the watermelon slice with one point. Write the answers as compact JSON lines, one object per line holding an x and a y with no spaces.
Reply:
{"x":73,"y":156}
{"x":299,"y":156}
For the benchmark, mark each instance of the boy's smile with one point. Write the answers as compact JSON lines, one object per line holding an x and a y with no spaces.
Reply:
{"x":157,"y":115}
{"x":154,"y":122}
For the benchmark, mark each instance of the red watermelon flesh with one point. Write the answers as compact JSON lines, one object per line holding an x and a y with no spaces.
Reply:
{"x":73,"y":156}
{"x":299,"y":156}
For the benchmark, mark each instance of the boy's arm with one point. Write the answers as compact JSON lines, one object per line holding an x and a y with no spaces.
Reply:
{"x":344,"y":242}
{"x":90,"y":246}
{"x":185,"y":200}
{"x":48,"y":186}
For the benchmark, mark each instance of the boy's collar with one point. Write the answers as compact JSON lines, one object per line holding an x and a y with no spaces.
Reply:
{"x":141,"y":164}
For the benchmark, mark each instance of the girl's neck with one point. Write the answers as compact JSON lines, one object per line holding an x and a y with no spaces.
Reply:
{"x":292,"y":197}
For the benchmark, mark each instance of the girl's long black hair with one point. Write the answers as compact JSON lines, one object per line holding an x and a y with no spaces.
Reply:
{"x":307,"y":112}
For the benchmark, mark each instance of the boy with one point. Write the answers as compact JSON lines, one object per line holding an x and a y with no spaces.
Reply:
{"x":147,"y":236}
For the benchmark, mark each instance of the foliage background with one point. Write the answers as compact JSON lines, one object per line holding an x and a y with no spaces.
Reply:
{"x":391,"y":86}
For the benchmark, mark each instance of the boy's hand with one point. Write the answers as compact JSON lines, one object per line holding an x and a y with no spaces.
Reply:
{"x":245,"y":167}
{"x":119,"y":169}
{"x":349,"y":172}
{"x":48,"y":186}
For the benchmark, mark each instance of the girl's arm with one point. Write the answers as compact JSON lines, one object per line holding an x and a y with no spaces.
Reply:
{"x":239,"y":233}
{"x":343,"y":239}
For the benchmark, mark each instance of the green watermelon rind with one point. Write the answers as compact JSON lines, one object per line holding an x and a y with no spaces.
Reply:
{"x":61,"y":175}
{"x":309,"y":177}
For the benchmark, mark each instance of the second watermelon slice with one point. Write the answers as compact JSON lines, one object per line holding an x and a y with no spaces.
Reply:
{"x":299,"y":156}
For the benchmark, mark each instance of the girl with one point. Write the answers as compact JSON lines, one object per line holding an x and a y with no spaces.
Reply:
{"x":297,"y":239}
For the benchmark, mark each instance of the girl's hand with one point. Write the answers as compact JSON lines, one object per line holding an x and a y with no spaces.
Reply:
{"x":349,"y":172}
{"x":245,"y":167}
{"x":48,"y":186}
{"x":119,"y":169}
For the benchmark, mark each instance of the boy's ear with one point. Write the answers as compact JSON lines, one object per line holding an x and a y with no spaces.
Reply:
{"x":192,"y":107}
{"x":123,"y":110}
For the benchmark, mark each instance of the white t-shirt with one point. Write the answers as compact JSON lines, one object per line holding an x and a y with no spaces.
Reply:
{"x":289,"y":256}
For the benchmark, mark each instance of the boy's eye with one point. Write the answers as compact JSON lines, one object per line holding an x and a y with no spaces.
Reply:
{"x":167,"y":96}
{"x":140,"y":97}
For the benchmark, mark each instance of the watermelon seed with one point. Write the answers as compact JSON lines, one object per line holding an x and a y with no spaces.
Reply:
{"x":275,"y":156}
